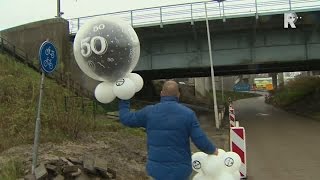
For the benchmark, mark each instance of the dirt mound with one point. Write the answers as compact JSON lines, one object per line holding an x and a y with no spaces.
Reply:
{"x":126,"y":155}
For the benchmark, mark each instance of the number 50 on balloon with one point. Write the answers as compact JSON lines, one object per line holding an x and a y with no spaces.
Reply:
{"x":88,"y":44}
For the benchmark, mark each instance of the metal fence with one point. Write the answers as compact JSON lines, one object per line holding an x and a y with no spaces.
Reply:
{"x":61,"y":78}
{"x":190,"y":12}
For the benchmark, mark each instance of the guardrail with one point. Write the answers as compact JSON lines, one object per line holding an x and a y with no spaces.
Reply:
{"x":61,"y":78}
{"x":190,"y":12}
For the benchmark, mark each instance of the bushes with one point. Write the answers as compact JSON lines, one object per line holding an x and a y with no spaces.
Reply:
{"x":296,"y":90}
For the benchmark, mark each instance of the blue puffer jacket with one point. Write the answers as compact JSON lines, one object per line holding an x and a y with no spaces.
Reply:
{"x":169,"y":126}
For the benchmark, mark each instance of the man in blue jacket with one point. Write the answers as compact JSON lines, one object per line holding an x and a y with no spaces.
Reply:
{"x":169,"y":126}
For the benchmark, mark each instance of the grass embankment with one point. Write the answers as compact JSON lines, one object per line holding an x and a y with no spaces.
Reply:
{"x":19,"y":94}
{"x":301,"y":95}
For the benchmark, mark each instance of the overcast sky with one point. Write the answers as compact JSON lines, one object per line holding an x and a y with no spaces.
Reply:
{"x":17,"y":12}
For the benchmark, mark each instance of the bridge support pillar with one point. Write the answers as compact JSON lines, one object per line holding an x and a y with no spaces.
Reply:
{"x":199,"y":85}
{"x":203,"y":85}
{"x":281,"y":80}
{"x":208,"y":84}
{"x":274,"y":80}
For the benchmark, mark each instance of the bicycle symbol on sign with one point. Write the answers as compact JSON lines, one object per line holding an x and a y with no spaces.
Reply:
{"x":50,"y":55}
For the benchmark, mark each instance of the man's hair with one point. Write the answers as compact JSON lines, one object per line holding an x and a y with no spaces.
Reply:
{"x":170,"y":88}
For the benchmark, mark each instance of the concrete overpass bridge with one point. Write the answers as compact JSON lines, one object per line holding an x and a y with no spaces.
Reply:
{"x":248,"y":37}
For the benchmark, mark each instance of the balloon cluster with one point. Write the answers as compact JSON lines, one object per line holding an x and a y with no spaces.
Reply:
{"x":224,"y":166}
{"x":107,"y":49}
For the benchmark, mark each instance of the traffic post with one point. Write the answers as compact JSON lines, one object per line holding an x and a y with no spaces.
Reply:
{"x":238,"y":145}
{"x":48,"y":61}
{"x":232,"y":117}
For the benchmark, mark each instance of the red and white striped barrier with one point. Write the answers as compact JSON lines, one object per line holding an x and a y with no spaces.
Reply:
{"x":231,"y":110}
{"x":232,"y":117}
{"x":238,"y":145}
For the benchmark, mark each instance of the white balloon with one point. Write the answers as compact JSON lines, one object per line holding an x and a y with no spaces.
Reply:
{"x":137,"y":79}
{"x":198,"y":159}
{"x":225,"y":176}
{"x":124,"y":89}
{"x":212,"y":166}
{"x":200,"y":176}
{"x":237,"y":175}
{"x":232,"y":161}
{"x":221,"y":152}
{"x":106,"y":48}
{"x":104,"y":92}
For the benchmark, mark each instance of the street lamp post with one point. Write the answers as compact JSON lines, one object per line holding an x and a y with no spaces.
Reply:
{"x":212,"y":73}
{"x":58,"y":9}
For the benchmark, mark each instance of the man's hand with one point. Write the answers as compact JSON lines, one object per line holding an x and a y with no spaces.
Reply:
{"x":216,"y":152}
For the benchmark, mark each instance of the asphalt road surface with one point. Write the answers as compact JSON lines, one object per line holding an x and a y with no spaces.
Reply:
{"x":280,"y":145}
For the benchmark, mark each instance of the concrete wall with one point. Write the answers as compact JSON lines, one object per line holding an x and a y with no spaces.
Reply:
{"x":29,"y":37}
{"x":199,"y":86}
{"x":204,"y":84}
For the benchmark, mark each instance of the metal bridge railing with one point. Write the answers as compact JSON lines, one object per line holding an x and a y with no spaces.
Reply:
{"x":190,"y":12}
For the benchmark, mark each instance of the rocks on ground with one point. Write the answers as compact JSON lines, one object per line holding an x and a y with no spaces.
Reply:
{"x":86,"y":168}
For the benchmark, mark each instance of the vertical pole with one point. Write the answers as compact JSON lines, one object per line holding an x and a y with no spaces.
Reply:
{"x":131,"y":18}
{"x":14,"y":50}
{"x":82,"y":105}
{"x":224,"y":17}
{"x":2,"y":45}
{"x":256,"y":4}
{"x":222,"y":89}
{"x":220,"y":9}
{"x":94,"y":109}
{"x":274,"y":77}
{"x":191,"y":15}
{"x":78,"y":24}
{"x":290,"y":6}
{"x":161,"y":25}
{"x":27,"y":59}
{"x":58,"y":9}
{"x":66,"y":103}
{"x":212,"y":73}
{"x":37,"y":129}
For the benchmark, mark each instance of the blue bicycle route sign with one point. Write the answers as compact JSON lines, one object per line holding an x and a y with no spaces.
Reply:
{"x":48,"y":57}
{"x":242,"y":87}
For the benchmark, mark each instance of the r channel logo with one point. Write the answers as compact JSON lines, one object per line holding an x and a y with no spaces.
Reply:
{"x":290,"y":18}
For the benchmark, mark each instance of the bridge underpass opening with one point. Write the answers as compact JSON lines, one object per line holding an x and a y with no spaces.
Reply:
{"x":275,"y":123}
{"x":197,"y":91}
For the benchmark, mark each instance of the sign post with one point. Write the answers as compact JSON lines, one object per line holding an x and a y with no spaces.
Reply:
{"x":215,"y":106}
{"x":48,"y":61}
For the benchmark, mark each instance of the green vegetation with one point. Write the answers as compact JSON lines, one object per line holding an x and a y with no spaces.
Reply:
{"x":114,"y":126}
{"x":12,"y":170}
{"x":19,"y":93}
{"x":300,"y":96}
{"x":296,"y":90}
